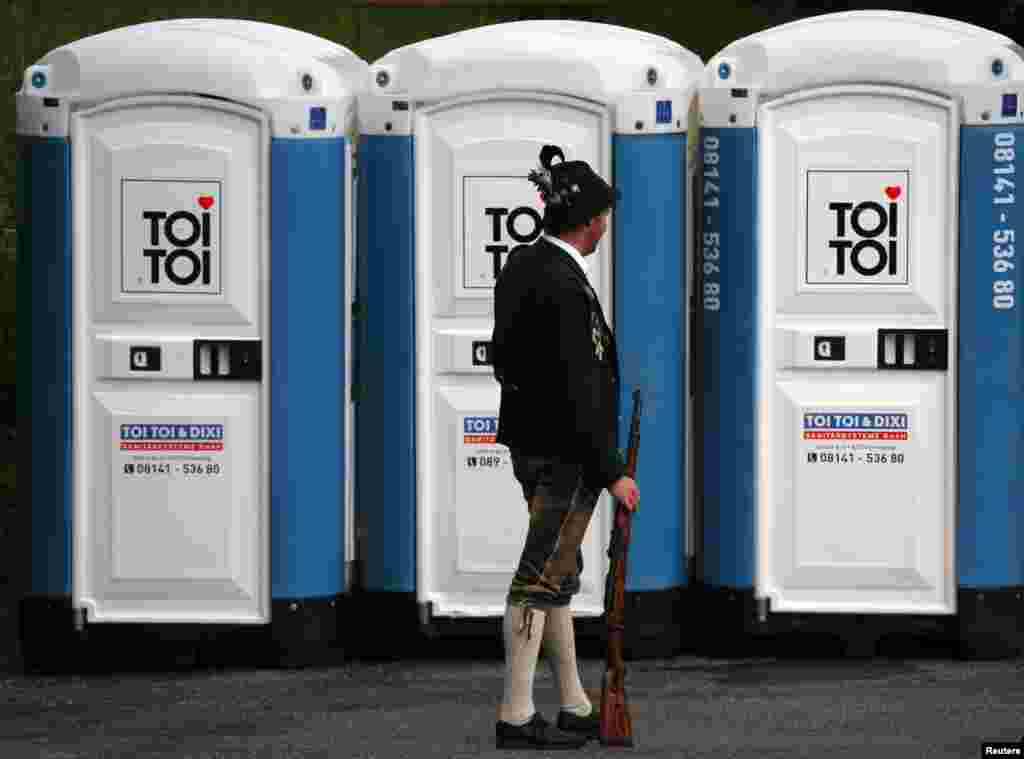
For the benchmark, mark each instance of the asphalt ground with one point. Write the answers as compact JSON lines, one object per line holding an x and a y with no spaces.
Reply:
{"x":916,"y":702}
{"x":795,"y":697}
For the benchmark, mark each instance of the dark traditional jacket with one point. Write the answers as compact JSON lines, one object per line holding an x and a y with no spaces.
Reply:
{"x":557,"y":363}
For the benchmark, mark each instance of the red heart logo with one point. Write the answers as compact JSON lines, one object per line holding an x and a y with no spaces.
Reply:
{"x":892,"y":192}
{"x":205,"y":201}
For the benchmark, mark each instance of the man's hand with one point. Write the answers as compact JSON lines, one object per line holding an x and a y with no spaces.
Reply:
{"x":627,"y":492}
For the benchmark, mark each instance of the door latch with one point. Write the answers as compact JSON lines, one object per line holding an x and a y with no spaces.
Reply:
{"x":227,"y":359}
{"x":913,"y":349}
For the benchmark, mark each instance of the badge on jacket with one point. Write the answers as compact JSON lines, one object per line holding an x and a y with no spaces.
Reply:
{"x":599,"y":338}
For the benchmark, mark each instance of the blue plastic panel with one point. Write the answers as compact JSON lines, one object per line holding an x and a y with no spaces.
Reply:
{"x":728,"y":297}
{"x":650,"y":308}
{"x":990,"y":529}
{"x":44,"y":354}
{"x":307,"y":365}
{"x":386,"y":412}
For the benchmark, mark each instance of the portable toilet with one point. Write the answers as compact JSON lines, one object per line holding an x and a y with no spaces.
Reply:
{"x":450,"y":129}
{"x":184,"y":240}
{"x":860,"y":336}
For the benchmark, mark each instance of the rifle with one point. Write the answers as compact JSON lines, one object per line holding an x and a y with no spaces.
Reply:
{"x":616,"y":724}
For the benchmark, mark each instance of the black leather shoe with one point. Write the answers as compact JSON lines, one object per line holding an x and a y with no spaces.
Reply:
{"x":589,"y":726}
{"x":537,"y":733}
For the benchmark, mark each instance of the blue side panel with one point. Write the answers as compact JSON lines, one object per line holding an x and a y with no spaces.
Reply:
{"x":990,"y":529}
{"x":386,"y":412}
{"x":728,"y":298}
{"x":650,"y":308}
{"x":307,"y":367}
{"x":44,"y":354}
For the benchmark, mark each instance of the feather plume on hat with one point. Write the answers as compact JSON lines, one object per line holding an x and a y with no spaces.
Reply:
{"x":553,"y":192}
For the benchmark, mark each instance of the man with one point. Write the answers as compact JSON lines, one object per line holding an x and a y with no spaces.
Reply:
{"x":556,"y":360}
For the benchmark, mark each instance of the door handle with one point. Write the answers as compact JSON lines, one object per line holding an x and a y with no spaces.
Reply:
{"x":227,"y":359}
{"x":913,"y":349}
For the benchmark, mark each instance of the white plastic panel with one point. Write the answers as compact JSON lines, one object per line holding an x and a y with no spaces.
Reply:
{"x":894,"y":48}
{"x":272,"y":36}
{"x":473,"y":155}
{"x":649,"y":80}
{"x":171,"y":497}
{"x":170,"y":157}
{"x":859,"y":524}
{"x":594,"y":60}
{"x":856,"y":154}
{"x":856,"y":474}
{"x":286,"y":71}
{"x":172,"y":534}
{"x":916,"y":20}
{"x":915,"y":50}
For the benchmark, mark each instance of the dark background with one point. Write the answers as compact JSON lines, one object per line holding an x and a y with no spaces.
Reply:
{"x":31,"y":28}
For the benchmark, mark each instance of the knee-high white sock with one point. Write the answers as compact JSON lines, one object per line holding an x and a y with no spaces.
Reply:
{"x":560,"y":643}
{"x":523,"y":631}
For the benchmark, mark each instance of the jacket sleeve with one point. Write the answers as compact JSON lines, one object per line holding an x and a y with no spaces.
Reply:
{"x":510,"y":304}
{"x":498,"y":338}
{"x":579,"y":378}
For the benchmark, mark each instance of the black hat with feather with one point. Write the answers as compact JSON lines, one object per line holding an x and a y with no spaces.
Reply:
{"x":573,"y":193}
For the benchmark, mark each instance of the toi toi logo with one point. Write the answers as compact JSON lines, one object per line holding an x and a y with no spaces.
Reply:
{"x":480,"y":425}
{"x":177,"y":245}
{"x":511,"y":217}
{"x":867,"y":254}
{"x":500,"y":214}
{"x":171,"y":236}
{"x":857,"y":227}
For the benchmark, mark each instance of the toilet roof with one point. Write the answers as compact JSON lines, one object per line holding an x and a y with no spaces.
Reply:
{"x":235,"y":59}
{"x":599,"y":61}
{"x":892,"y":47}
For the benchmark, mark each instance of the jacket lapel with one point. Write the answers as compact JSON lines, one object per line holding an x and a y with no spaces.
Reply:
{"x":585,"y":284}
{"x":582,"y":279}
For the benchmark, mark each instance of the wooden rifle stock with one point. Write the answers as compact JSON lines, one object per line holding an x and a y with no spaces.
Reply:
{"x":616,"y":724}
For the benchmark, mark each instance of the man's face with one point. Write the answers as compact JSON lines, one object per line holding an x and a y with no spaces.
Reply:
{"x":596,"y":231}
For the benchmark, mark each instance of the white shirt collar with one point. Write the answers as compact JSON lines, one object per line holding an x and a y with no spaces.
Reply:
{"x":570,"y":250}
